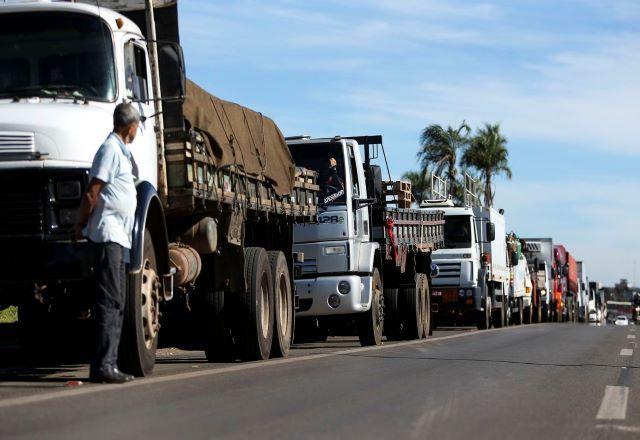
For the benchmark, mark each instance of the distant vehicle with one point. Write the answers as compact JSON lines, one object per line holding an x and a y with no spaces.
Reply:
{"x":593,"y":316}
{"x":621,"y":320}
{"x":539,"y":253}
{"x":473,"y":279}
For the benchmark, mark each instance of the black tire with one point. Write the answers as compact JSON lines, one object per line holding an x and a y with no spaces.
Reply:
{"x":483,"y":318}
{"x":137,"y":353}
{"x":218,"y":340}
{"x":426,"y":306}
{"x":528,"y":314}
{"x":545,"y":313}
{"x":519,"y":317}
{"x":393,"y":325}
{"x":256,"y":306}
{"x":497,"y":318}
{"x":412,"y":311}
{"x":371,"y":324}
{"x":282,"y":305}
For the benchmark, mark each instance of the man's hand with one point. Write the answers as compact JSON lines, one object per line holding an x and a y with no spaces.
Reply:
{"x":89,"y":200}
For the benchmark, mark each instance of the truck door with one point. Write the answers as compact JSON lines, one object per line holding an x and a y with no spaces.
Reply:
{"x":137,"y":79}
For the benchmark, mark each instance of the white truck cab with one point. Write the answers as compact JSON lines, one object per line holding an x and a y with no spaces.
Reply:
{"x":339,"y":245}
{"x":472,"y":277}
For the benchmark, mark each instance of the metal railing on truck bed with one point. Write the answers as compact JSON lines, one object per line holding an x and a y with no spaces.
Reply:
{"x":409,"y":230}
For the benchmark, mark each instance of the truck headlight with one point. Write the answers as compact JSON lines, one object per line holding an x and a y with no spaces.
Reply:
{"x":461,"y":292}
{"x":543,"y":292}
{"x":67,"y":216}
{"x":335,"y":250}
{"x":334,"y":301}
{"x":344,"y":287}
{"x":469,"y":292}
{"x":68,"y":190}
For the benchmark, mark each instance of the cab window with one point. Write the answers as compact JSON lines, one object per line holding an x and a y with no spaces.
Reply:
{"x":135,"y":70}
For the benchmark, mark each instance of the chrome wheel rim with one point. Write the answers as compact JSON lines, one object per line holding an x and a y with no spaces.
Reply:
{"x":150,"y":286}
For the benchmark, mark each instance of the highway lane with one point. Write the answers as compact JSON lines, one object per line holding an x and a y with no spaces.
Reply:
{"x":541,"y":381}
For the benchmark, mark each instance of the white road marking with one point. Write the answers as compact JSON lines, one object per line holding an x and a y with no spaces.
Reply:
{"x":626,"y":352}
{"x":93,"y":389}
{"x":621,"y":428}
{"x":631,"y":336}
{"x":614,"y":403}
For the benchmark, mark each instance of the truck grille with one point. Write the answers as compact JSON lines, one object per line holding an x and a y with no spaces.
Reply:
{"x":16,"y":142}
{"x":448,"y":270}
{"x":21,"y":207}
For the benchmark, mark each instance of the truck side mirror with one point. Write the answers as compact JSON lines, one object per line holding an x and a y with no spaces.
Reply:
{"x":172,"y":72}
{"x":491,"y":231}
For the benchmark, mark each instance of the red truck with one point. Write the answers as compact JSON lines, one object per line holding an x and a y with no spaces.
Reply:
{"x":565,"y":284}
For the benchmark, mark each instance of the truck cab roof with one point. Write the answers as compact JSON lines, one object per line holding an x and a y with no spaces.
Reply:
{"x":110,"y":17}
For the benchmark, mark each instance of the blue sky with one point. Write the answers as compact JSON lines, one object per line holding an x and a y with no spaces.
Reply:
{"x":560,"y":76}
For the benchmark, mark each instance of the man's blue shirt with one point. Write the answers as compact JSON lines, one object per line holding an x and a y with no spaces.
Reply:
{"x":113,"y":216}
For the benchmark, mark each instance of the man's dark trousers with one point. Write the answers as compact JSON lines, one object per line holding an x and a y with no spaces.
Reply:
{"x":108,"y":311}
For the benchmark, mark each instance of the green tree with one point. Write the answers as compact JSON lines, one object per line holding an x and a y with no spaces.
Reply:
{"x":420,"y":185}
{"x":439,"y":149}
{"x":488,"y":154}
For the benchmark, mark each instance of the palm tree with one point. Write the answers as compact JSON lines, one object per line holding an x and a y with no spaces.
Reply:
{"x":439,"y":148}
{"x":488,"y":154}
{"x":420,"y":185}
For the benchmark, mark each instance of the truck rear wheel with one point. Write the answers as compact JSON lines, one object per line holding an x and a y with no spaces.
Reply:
{"x":141,"y":326}
{"x":484,"y":316}
{"x":412,"y":311}
{"x":528,"y":314}
{"x":283,"y":305}
{"x":393,"y":326}
{"x":371,"y":324}
{"x":256,"y":305}
{"x":497,"y":318}
{"x":519,"y":315}
{"x":218,"y":342}
{"x":425,"y":296}
{"x":544,"y":317}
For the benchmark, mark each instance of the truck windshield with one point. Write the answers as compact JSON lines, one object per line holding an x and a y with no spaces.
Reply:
{"x":457,"y":231}
{"x":328,"y":161}
{"x":56,"y":54}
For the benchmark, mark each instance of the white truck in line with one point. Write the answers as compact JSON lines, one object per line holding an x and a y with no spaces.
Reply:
{"x":520,"y":285}
{"x":218,"y":192}
{"x":539,"y":253}
{"x":472,"y":281}
{"x":367,"y":260}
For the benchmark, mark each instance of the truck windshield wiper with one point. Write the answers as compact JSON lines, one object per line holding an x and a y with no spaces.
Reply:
{"x":21,"y":92}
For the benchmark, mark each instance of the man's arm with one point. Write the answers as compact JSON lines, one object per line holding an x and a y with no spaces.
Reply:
{"x":89,"y":200}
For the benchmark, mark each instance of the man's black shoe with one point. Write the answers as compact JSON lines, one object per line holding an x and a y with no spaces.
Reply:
{"x":110,"y":375}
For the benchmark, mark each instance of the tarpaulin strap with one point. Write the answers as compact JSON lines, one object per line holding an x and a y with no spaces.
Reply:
{"x":392,"y":238}
{"x":253,"y":141}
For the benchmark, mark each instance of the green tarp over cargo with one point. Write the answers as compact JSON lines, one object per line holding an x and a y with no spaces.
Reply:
{"x":239,"y":136}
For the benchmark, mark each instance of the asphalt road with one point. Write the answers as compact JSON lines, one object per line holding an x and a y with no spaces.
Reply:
{"x":541,"y":382}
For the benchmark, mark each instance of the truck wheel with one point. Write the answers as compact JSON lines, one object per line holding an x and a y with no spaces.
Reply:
{"x":497,"y":318}
{"x":545,"y":313}
{"x":426,"y":306}
{"x":412,"y":311}
{"x":518,"y":317}
{"x":218,"y":342}
{"x":371,"y":324}
{"x":484,"y":317}
{"x":528,"y":315}
{"x":256,"y":305}
{"x":393,"y":326}
{"x":283,"y":305}
{"x":141,"y":326}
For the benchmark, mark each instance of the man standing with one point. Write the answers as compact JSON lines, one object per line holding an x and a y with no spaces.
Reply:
{"x":106,"y":220}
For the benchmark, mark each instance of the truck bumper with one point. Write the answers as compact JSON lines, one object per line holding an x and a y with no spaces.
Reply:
{"x":316,"y":295}
{"x":447,"y":303}
{"x":28,"y":262}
